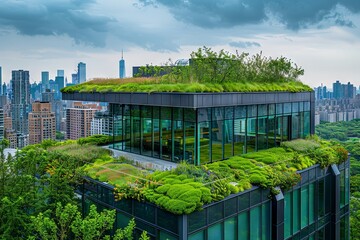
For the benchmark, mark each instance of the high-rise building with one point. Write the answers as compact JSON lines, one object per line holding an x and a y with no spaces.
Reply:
{"x":20,"y":100}
{"x":81,"y":74}
{"x":56,"y":107}
{"x":41,"y":123}
{"x":78,"y":120}
{"x":45,"y":80}
{"x":74,"y":78}
{"x":122,"y":66}
{"x":1,"y":93}
{"x":60,"y":73}
{"x":1,"y":123}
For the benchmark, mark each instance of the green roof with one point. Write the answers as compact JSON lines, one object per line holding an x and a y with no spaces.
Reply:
{"x":208,"y":71}
{"x":187,"y":188}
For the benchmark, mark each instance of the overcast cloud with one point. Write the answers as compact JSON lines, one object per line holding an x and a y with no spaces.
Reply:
{"x":47,"y":35}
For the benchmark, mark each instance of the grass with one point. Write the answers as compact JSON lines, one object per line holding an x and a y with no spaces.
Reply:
{"x":152,"y":85}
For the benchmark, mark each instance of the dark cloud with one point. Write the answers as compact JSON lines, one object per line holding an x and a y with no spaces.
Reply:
{"x":244,"y":44}
{"x":69,"y":17}
{"x":294,"y":14}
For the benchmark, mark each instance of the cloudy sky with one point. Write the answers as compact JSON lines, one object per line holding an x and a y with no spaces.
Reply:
{"x":322,"y":36}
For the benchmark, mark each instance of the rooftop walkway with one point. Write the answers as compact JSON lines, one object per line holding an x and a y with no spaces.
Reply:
{"x":144,"y":161}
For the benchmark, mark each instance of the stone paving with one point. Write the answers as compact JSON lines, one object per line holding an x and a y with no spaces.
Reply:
{"x":144,"y":161}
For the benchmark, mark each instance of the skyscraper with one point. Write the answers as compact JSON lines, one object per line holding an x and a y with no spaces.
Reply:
{"x":44,"y":80}
{"x":81,"y":74}
{"x":1,"y":81}
{"x":60,"y":73}
{"x":20,"y":100}
{"x":122,"y":66}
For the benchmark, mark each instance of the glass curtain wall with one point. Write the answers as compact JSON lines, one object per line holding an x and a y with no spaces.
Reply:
{"x":206,"y":134}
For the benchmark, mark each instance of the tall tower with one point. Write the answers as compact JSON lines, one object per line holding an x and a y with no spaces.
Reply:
{"x":81,"y":74}
{"x":45,"y":81}
{"x":1,"y":93}
{"x":122,"y":66}
{"x":20,"y":100}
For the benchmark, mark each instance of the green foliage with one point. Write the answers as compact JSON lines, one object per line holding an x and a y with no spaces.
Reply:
{"x":209,"y":71}
{"x":96,"y":139}
{"x":340,"y":131}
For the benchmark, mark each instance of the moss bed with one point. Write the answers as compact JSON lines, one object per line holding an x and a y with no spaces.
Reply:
{"x":187,"y":188}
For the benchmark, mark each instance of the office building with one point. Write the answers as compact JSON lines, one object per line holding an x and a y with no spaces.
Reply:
{"x":202,"y":128}
{"x":45,"y":81}
{"x":81,"y":74}
{"x":78,"y":120}
{"x":20,"y":101}
{"x":122,"y":66}
{"x":41,"y":123}
{"x":74,"y":78}
{"x":60,"y":73}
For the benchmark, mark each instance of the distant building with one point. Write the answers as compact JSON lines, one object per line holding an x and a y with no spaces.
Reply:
{"x":20,"y":100}
{"x":122,"y":66}
{"x":41,"y":123}
{"x":45,"y":80}
{"x":1,"y":124}
{"x":1,"y":93}
{"x":103,"y":123}
{"x":74,"y":79}
{"x":60,"y":73}
{"x":4,"y":89}
{"x":10,"y":134}
{"x":78,"y":120}
{"x":81,"y":74}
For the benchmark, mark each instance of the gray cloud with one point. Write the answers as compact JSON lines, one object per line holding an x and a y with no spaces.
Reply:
{"x":294,"y":15}
{"x":241,"y":44}
{"x":69,"y":17}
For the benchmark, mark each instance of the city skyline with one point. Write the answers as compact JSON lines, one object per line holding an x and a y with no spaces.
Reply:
{"x":323,"y":39}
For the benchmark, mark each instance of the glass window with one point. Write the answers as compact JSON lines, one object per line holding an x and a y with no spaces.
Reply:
{"x":215,"y":212}
{"x":311,"y":203}
{"x":240,"y":112}
{"x":244,"y":201}
{"x":144,"y":211}
{"x":296,"y":210}
{"x":196,"y":220}
{"x":166,"y":140}
{"x":216,"y":140}
{"x":251,"y":135}
{"x":122,"y":220}
{"x":243,"y":226}
{"x":217,"y":113}
{"x":287,"y":108}
{"x":239,"y":136}
{"x":304,"y":206}
{"x":230,"y":206}
{"x":197,"y":236}
{"x":306,"y":106}
{"x":166,"y":236}
{"x":295,"y":126}
{"x":255,"y":223}
{"x":230,"y":229}
{"x":342,"y":188}
{"x":272,"y":109}
{"x":215,"y":232}
{"x":287,"y":214}
{"x":262,"y":133}
{"x":266,"y":221}
{"x":255,"y":196}
{"x":147,"y":139}
{"x":204,"y":142}
{"x":167,"y":220}
{"x":252,"y":111}
{"x":189,"y":115}
{"x":347,"y":185}
{"x":279,"y":109}
{"x":295,"y":107}
{"x":178,"y":114}
{"x":262,"y":110}
{"x":204,"y":114}
{"x":178,"y":141}
{"x":228,"y":138}
{"x":321,"y":198}
{"x":229,"y":112}
{"x":271,"y":131}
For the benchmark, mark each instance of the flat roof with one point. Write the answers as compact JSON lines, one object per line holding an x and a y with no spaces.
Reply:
{"x":191,"y":100}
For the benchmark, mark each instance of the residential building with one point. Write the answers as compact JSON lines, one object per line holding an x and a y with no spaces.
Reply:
{"x":81,"y":74}
{"x":78,"y":120}
{"x":41,"y":123}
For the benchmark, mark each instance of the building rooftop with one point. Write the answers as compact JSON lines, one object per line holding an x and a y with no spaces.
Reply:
{"x":187,"y":188}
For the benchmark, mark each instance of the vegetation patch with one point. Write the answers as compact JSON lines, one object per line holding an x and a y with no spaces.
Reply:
{"x":187,"y":188}
{"x":208,"y":71}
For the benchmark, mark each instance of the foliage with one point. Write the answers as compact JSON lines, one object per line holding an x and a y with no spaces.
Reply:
{"x":96,"y":139}
{"x":69,"y":224}
{"x":208,"y":71}
{"x":341,"y":131}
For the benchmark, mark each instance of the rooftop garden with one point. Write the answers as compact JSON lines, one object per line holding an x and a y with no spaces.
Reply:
{"x":208,"y":71}
{"x":187,"y":188}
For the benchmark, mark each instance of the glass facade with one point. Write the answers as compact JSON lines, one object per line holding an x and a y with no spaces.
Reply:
{"x":206,"y":135}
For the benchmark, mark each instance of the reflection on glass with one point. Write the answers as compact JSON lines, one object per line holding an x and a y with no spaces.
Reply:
{"x":239,"y":136}
{"x":204,"y":142}
{"x":251,"y":135}
{"x":216,"y":139}
{"x":228,"y":138}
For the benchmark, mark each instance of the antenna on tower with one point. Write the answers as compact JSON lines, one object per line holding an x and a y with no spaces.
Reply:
{"x":122,"y":53}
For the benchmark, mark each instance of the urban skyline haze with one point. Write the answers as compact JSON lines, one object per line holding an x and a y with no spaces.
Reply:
{"x":41,"y":36}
